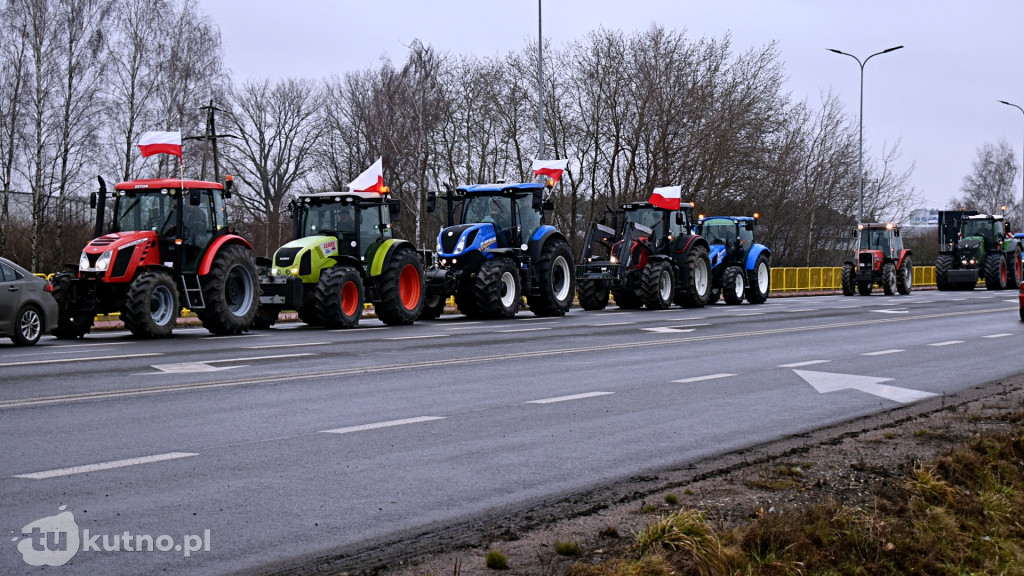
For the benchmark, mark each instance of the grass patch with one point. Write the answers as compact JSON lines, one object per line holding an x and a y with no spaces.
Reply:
{"x":671,"y":499}
{"x":496,"y":560}
{"x":568,"y":548}
{"x":608,"y":532}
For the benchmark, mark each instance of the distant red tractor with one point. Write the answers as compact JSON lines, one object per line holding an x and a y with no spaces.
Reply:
{"x":879,"y":258}
{"x":168,"y":246}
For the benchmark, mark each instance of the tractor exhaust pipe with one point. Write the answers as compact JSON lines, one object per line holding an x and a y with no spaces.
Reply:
{"x":99,"y":202}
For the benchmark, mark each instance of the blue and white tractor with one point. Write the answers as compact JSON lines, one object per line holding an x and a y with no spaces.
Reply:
{"x":740,"y":267}
{"x":501,"y":251}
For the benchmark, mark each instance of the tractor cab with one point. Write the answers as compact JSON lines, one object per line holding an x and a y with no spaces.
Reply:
{"x":730,"y":237}
{"x":495,"y":216}
{"x":348,"y":224}
{"x":989,"y":230}
{"x":882,"y":238}
{"x":665,"y":225}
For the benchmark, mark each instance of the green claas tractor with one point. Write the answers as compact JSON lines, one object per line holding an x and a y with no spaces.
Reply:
{"x":974,"y":246}
{"x":343,"y":255}
{"x":879,"y":258}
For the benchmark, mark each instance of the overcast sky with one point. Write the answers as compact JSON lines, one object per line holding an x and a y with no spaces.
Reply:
{"x":939,"y":93}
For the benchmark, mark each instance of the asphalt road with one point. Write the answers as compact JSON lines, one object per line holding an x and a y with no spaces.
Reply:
{"x":296,"y":442}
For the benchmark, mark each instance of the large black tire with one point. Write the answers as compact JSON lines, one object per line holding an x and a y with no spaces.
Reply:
{"x":995,"y":271}
{"x":942,"y":265}
{"x":340,"y":297}
{"x":626,"y":299}
{"x":433,"y":304}
{"x":28,"y":326}
{"x":732,"y":284}
{"x":307,"y":312}
{"x":498,"y":288}
{"x":465,"y":298}
{"x":69,"y":325}
{"x":695,"y":290}
{"x":593,"y":294}
{"x":714,"y":295}
{"x":557,"y":278}
{"x":848,"y":280}
{"x":658,"y":285}
{"x":759,"y":281}
{"x":864,"y":288}
{"x":401,"y":287}
{"x":888,"y":278}
{"x":151,"y":308}
{"x":905,"y":277}
{"x":1015,"y":268}
{"x":265,"y":318}
{"x":231,"y":292}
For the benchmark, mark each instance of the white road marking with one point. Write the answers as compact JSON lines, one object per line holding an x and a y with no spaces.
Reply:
{"x":418,"y":337}
{"x":286,"y":345}
{"x":1014,"y":300}
{"x":388,"y":424}
{"x":750,"y":314}
{"x":204,"y":365}
{"x":804,"y":363}
{"x":947,"y":343}
{"x":673,"y":329}
{"x":105,"y":465}
{"x":892,"y":311}
{"x":359,"y":329}
{"x":803,"y":310}
{"x":461,"y":327}
{"x":610,"y":324}
{"x":89,"y":358}
{"x":702,"y":378}
{"x":534,"y":319}
{"x":522,"y":330}
{"x":997,"y":335}
{"x":236,"y":336}
{"x":568,"y":398}
{"x":97,"y":344}
{"x":825,"y":382}
{"x":883,"y":352}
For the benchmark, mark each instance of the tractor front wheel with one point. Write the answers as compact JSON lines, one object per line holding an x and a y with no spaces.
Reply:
{"x":849,"y":282}
{"x":942,"y":265}
{"x":695,"y":292}
{"x":498,"y":289}
{"x":401,"y":287}
{"x":231,"y":292}
{"x":995,"y":271}
{"x":905,"y":277}
{"x":593,"y":294}
{"x":760,"y":279}
{"x":151,"y":309}
{"x":657,"y":285}
{"x":339,"y":297}
{"x":889,"y":278}
{"x":70,"y":325}
{"x":433,"y":304}
{"x":732,"y":285}
{"x":557,"y":280}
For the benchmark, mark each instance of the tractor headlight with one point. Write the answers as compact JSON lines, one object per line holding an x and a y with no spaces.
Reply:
{"x":83,"y":262}
{"x":438,"y":248}
{"x":274,"y":272}
{"x":614,"y":260}
{"x":104,"y":261}
{"x":294,"y":271}
{"x":461,"y":245}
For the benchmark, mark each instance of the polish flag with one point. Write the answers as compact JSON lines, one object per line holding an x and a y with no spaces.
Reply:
{"x":551,"y":168}
{"x":667,"y":197}
{"x":160,"y":143}
{"x":372,"y":180}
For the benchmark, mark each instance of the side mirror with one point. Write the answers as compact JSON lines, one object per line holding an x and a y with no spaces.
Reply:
{"x":194,"y":198}
{"x":853,"y":234}
{"x":748,"y":225}
{"x":229,"y":186}
{"x":896,"y":232}
{"x":394,"y":208}
{"x":92,"y":200}
{"x":538,"y":200}
{"x":431,"y":201}
{"x":547,"y":205}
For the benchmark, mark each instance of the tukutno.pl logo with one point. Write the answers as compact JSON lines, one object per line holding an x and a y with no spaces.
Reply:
{"x":54,"y":540}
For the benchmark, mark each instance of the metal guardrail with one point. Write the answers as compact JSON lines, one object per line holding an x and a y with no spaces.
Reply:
{"x":825,"y":279}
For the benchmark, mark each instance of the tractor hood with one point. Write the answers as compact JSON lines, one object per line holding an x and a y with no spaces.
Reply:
{"x":457,"y":240}
{"x":118,"y":240}
{"x":970,"y":245}
{"x":296,"y":258}
{"x":112,"y":255}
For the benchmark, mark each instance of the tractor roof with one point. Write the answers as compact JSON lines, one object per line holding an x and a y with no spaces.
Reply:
{"x":501,"y":188}
{"x":338,"y":194}
{"x":733,"y":218}
{"x":161,"y":183}
{"x":984,"y":217}
{"x":873,"y":225}
{"x":642,"y":205}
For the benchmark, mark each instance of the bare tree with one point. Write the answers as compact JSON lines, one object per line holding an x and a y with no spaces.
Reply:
{"x":991,"y":183}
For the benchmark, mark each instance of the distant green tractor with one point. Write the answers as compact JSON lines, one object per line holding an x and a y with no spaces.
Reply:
{"x":343,"y":255}
{"x":974,"y":246}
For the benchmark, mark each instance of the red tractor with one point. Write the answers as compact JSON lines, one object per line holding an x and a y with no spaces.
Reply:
{"x":168,"y":246}
{"x":879,"y":258}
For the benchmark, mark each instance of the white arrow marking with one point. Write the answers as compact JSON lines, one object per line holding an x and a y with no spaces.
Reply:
{"x":825,"y":382}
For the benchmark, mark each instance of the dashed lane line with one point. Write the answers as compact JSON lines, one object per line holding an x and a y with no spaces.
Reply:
{"x":997,"y":335}
{"x":449,"y":362}
{"x":804,"y":363}
{"x":701,"y":378}
{"x":287,"y":345}
{"x":947,"y":343}
{"x":387,"y":424}
{"x":521,"y":330}
{"x":420,"y":337}
{"x":105,"y":465}
{"x":568,"y":398}
{"x":883,"y":352}
{"x":86,"y":359}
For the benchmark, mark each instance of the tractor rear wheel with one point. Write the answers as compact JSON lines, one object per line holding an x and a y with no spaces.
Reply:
{"x":995,"y":271}
{"x":695,"y":291}
{"x":657,"y":285}
{"x":760,"y":280}
{"x":864,"y":288}
{"x":339,"y":297}
{"x":231,"y":292}
{"x":942,"y":265}
{"x":465,"y":298}
{"x":593,"y":294}
{"x":627,"y":299}
{"x":1015,"y":268}
{"x":889,"y":278}
{"x":732,"y":285}
{"x":849,"y":282}
{"x":557,"y":280}
{"x":433,"y":304}
{"x":401,"y":287}
{"x":905,"y":277}
{"x":151,"y":308}
{"x":498,"y":289}
{"x":69,"y":325}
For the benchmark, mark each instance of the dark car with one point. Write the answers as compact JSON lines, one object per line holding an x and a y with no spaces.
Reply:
{"x":27,"y":307}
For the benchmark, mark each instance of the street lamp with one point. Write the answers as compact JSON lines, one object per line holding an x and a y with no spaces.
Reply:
{"x":1022,"y":171}
{"x":540,"y":82}
{"x":860,"y":157}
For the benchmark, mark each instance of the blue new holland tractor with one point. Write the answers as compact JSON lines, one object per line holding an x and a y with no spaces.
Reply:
{"x":739,"y":266}
{"x":500,"y":252}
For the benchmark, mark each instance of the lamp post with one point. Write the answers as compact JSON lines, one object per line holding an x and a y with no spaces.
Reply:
{"x":540,"y":82}
{"x":1022,"y":171}
{"x":860,"y":156}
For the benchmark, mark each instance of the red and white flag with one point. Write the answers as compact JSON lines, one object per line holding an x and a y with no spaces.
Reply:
{"x":372,"y":180}
{"x":160,"y":143}
{"x":551,"y":168}
{"x":667,"y":197}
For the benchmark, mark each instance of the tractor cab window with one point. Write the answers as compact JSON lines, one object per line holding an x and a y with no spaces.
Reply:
{"x":220,"y":212}
{"x":747,"y":236}
{"x":373,"y":227}
{"x":528,"y":218}
{"x":651,"y":218}
{"x":980,"y":227}
{"x":332,"y":219}
{"x":145,"y":211}
{"x":496,"y":210}
{"x":875,"y":239}
{"x":197,"y":220}
{"x":718,"y":231}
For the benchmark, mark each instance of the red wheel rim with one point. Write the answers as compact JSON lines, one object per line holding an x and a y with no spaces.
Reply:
{"x":409,"y":287}
{"x":349,"y":298}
